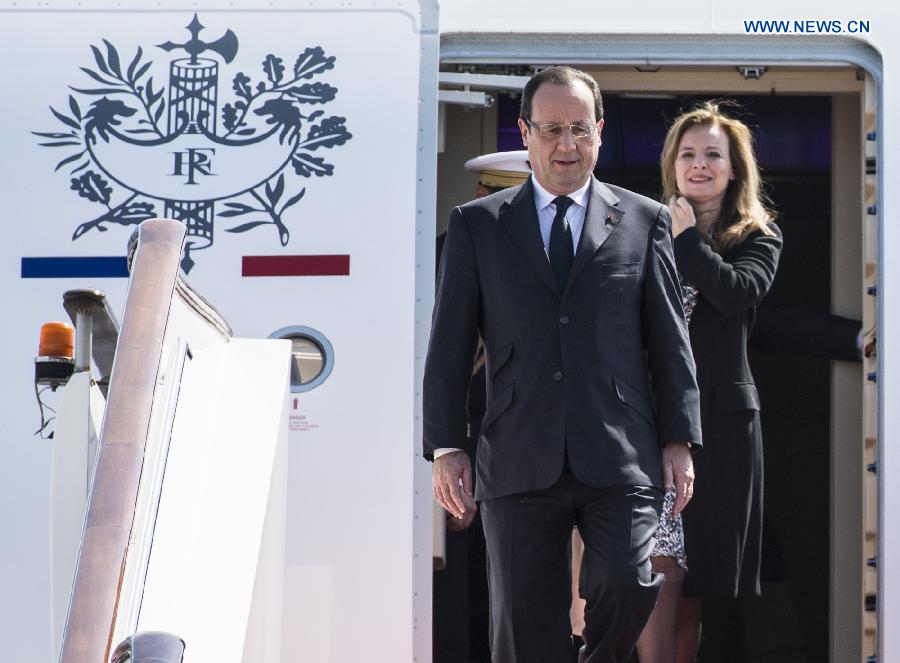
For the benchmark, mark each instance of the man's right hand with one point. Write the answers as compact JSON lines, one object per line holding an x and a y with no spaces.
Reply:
{"x":446,"y":473}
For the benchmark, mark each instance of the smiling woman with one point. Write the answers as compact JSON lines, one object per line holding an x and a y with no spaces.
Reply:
{"x":703,"y":171}
{"x":726,"y":251}
{"x":710,"y":175}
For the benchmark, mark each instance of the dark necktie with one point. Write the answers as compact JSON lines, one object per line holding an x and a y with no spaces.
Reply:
{"x":560,"y":249}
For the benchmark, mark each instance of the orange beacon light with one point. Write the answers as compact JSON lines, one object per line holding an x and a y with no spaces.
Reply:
{"x":56,"y":351}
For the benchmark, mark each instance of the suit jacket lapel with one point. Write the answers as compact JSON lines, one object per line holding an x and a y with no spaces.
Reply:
{"x":520,"y":219}
{"x":600,"y":219}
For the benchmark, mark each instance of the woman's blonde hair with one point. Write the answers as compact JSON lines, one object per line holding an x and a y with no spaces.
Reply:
{"x":743,"y":208}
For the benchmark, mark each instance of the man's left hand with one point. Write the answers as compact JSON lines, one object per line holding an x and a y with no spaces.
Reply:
{"x":678,"y":473}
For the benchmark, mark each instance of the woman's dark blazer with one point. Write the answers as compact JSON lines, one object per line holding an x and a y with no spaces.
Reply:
{"x":723,"y":522}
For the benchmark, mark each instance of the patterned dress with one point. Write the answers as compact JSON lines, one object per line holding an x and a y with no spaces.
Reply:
{"x":670,"y":533}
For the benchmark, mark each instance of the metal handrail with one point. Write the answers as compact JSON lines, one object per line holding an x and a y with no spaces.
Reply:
{"x":196,"y":302}
{"x":149,"y":647}
{"x":101,"y":562}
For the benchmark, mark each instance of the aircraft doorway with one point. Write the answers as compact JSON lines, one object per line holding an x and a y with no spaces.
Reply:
{"x":810,"y":148}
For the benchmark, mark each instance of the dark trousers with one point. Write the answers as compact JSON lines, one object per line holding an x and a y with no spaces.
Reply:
{"x":460,"y":608}
{"x":529,"y":565}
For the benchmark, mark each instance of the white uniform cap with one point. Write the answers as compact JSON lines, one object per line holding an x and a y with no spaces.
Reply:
{"x":501,"y":169}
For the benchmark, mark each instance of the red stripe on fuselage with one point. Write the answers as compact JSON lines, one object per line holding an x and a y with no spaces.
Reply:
{"x":328,"y":265}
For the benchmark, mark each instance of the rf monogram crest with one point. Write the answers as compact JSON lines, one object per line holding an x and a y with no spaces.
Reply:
{"x":138,"y":149}
{"x":192,"y":162}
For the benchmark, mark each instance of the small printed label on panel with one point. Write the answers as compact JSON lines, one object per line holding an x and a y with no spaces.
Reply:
{"x":297,"y":421}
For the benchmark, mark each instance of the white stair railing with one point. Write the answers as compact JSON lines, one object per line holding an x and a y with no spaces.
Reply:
{"x":185,"y":523}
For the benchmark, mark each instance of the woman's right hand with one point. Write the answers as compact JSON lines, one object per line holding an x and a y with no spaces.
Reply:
{"x":682,"y":215}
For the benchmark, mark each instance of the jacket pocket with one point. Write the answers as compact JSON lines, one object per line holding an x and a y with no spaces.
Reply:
{"x":615,"y":268}
{"x":499,"y":406}
{"x":735,"y":397}
{"x":634,"y":399}
{"x":499,"y":358}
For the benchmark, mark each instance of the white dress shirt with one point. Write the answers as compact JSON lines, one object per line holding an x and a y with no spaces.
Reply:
{"x":546,"y":210}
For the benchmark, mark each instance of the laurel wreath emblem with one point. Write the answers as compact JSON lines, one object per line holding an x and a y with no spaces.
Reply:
{"x":122,"y":102}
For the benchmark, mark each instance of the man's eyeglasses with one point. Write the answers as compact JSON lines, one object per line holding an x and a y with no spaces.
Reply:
{"x":580,"y":130}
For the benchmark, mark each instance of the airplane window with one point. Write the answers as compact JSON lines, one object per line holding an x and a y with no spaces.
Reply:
{"x":308,"y":360}
{"x":312,"y":356}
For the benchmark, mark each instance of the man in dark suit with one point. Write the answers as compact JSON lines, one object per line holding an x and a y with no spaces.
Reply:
{"x":591,"y":397}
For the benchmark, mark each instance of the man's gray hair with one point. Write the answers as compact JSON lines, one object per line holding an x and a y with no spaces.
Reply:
{"x":560,"y":76}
